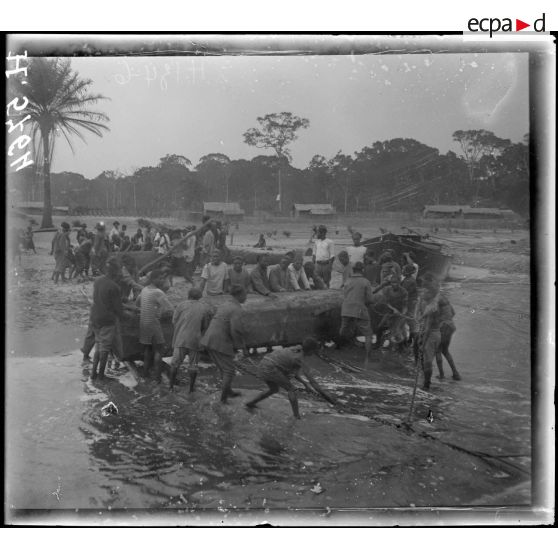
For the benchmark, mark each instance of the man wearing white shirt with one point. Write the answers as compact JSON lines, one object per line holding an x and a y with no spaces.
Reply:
{"x":297,"y":276}
{"x":356,"y":251}
{"x":324,"y":254}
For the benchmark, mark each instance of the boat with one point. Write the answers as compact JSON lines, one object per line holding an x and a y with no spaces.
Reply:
{"x":428,"y":254}
{"x":284,"y":320}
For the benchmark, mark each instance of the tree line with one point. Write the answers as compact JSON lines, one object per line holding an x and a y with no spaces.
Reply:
{"x":395,"y":174}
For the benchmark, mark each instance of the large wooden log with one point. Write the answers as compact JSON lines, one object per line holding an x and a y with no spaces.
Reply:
{"x":285,"y":320}
{"x":250,"y":255}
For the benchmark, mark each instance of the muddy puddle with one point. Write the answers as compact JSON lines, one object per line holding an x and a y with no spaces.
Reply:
{"x":174,"y":450}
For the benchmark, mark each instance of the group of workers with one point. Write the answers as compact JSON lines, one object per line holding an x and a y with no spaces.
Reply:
{"x":91,"y":249}
{"x":368,"y":284}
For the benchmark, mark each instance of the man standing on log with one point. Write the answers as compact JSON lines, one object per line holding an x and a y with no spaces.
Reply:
{"x":356,"y":252}
{"x":354,"y":311}
{"x":208,"y":244}
{"x":324,"y":254}
{"x":225,"y":332}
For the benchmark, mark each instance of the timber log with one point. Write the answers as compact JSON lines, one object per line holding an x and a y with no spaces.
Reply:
{"x":250,"y":255}
{"x":285,"y":320}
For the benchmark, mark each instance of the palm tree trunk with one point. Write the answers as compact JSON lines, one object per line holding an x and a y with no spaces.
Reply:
{"x":47,"y":205}
{"x":279,"y":186}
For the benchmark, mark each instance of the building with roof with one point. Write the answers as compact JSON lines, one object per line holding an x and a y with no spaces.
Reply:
{"x":36,"y":208}
{"x":226,"y":211}
{"x":465,"y":212}
{"x":321,"y":210}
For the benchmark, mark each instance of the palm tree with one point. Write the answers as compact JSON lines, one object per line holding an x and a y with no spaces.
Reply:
{"x":58,"y":104}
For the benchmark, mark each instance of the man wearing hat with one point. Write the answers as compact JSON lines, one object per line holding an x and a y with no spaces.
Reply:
{"x":323,"y":255}
{"x":59,"y":248}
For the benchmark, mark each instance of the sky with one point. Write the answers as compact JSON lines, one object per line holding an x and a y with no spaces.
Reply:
{"x":193,"y":106}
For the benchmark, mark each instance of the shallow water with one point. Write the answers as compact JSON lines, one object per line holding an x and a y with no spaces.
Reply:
{"x":170,"y":450}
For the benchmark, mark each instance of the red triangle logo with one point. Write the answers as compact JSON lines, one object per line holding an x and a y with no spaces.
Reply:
{"x":519,"y":25}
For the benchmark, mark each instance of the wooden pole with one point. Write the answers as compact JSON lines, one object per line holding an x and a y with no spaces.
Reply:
{"x":179,"y":244}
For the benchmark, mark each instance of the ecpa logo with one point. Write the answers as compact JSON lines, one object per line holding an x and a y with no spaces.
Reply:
{"x":496,"y":25}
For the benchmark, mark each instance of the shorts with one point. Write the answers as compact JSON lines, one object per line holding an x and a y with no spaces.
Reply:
{"x":349,"y":324}
{"x":273,"y":377}
{"x":179,"y":354}
{"x":224,"y":362}
{"x":105,"y":337}
{"x":152,"y":334}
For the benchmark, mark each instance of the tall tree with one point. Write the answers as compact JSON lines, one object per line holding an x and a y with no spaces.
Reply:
{"x":341,"y":170}
{"x":215,"y":170}
{"x":59,"y":101}
{"x":276,"y":131}
{"x":476,"y":145}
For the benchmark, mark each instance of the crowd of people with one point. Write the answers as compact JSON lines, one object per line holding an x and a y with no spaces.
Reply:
{"x":379,"y":294}
{"x":87,"y":255}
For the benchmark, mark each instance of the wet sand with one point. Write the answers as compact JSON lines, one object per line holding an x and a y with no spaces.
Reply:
{"x":190,"y":454}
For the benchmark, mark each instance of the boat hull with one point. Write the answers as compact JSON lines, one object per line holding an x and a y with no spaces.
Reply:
{"x":428,"y":255}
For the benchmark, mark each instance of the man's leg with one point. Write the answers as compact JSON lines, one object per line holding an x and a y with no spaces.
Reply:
{"x":366,"y":330}
{"x":294,"y":402}
{"x":96,"y":358}
{"x":430,"y":347}
{"x":178,"y":354}
{"x":440,"y":362}
{"x":157,"y":357}
{"x":88,"y":342}
{"x":103,"y":363}
{"x":446,"y":335}
{"x":106,"y":337}
{"x":147,"y":355}
{"x":193,"y":357}
{"x":272,"y":388}
{"x":225,"y":364}
{"x":347,"y":330}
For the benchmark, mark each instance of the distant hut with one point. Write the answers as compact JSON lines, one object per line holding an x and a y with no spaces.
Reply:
{"x":318,"y":210}
{"x":223,"y":211}
{"x":442,"y":211}
{"x":36,"y":208}
{"x":466,"y":212}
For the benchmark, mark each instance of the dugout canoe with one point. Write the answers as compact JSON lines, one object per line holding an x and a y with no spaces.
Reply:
{"x":285,"y":320}
{"x":429,"y":255}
